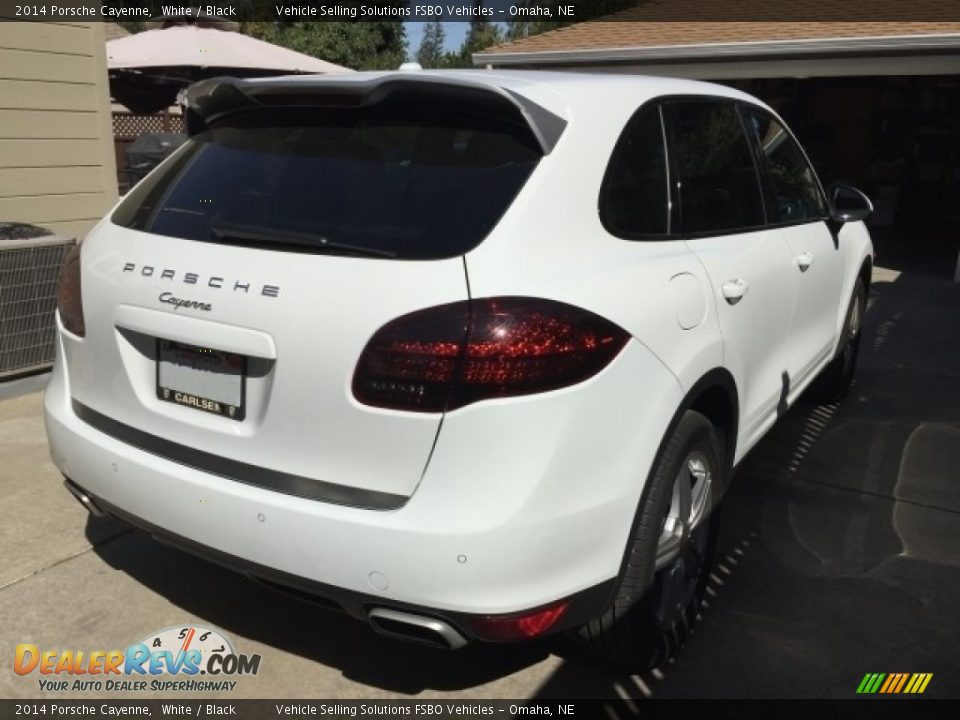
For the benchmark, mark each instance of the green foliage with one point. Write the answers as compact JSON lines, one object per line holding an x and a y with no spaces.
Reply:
{"x":481,"y":35}
{"x":356,"y":45}
{"x":368,"y":45}
{"x":430,"y":54}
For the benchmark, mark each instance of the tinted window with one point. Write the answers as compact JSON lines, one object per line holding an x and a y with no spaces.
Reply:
{"x":634,"y":196}
{"x":422,"y":183}
{"x":795,"y":193}
{"x":719,"y":190}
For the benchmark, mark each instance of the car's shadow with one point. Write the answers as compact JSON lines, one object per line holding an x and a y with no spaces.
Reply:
{"x":837,"y":552}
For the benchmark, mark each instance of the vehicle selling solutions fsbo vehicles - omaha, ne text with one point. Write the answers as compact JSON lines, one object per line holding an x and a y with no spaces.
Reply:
{"x":521,"y":327}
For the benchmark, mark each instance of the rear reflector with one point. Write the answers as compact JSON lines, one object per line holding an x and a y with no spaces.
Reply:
{"x":449,"y":356}
{"x":500,"y":628}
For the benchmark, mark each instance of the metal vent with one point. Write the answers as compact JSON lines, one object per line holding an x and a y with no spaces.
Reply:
{"x":28,"y":300}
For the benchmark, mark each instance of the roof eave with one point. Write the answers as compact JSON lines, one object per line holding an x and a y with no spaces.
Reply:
{"x":888,"y":44}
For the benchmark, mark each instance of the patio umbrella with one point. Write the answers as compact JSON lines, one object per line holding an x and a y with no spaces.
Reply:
{"x":149,"y":68}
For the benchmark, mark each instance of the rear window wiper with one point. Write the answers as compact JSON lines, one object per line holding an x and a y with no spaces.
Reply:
{"x":252,"y":233}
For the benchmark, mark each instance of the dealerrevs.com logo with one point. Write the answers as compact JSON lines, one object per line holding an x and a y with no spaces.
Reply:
{"x":187,"y":658}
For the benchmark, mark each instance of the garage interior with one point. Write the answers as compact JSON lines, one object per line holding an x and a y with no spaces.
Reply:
{"x":895,"y":137}
{"x":875,"y":102}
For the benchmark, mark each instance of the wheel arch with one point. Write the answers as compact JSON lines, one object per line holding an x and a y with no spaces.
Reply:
{"x":865,"y":274}
{"x":715,"y":397}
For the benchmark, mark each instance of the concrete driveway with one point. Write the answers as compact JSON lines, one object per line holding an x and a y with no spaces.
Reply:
{"x":839,"y":555}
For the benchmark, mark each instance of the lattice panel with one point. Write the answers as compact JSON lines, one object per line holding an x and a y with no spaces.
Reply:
{"x":128,"y":127}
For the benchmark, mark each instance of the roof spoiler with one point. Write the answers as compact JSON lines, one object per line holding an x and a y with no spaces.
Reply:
{"x":210,"y":100}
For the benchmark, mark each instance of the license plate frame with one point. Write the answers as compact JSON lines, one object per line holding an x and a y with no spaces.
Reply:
{"x":197,"y":359}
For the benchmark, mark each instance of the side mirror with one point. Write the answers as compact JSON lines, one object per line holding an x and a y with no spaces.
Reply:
{"x":847,"y":204}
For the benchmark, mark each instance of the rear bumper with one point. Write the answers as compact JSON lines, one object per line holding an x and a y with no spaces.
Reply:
{"x":520,"y":507}
{"x":582,"y":607}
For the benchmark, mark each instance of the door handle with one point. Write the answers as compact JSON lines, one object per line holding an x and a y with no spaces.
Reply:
{"x":804,"y":261}
{"x":734,"y":290}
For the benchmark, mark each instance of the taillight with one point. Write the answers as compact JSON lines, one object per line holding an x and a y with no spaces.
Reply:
{"x":452,"y":355}
{"x":523,"y":626}
{"x":68,"y":294}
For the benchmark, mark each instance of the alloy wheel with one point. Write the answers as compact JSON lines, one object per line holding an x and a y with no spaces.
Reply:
{"x":684,"y":535}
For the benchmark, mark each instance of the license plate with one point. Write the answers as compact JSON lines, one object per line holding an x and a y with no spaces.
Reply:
{"x":209,"y":380}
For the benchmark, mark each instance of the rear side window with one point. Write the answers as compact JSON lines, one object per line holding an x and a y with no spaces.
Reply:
{"x":795,"y":192}
{"x":719,"y":187}
{"x":390,"y":180}
{"x":634,"y":197}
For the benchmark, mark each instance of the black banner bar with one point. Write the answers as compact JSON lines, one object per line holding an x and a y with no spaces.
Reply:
{"x":500,"y":11}
{"x":875,"y":708}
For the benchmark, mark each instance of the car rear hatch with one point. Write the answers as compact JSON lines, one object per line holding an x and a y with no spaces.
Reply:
{"x":231,"y":294}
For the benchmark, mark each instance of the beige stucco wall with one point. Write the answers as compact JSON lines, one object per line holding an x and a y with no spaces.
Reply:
{"x":57,"y":166}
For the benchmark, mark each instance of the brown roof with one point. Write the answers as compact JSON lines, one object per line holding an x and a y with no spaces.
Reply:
{"x":701,"y":22}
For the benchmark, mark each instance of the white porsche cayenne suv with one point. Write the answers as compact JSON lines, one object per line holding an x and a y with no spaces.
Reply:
{"x":468,"y":355}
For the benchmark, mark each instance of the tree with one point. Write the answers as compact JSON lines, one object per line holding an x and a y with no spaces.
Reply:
{"x":366,"y":45}
{"x":481,"y":35}
{"x":430,"y":54}
{"x":357,"y":45}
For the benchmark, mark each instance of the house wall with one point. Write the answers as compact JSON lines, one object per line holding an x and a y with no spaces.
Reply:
{"x":57,"y":166}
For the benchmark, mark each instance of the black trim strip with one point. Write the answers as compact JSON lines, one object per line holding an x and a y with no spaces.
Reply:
{"x":239,"y":471}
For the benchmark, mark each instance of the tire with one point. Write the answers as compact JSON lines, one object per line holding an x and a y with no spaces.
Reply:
{"x":657,"y":603}
{"x":835,"y":380}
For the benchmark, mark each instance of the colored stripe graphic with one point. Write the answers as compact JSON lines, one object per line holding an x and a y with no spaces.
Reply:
{"x":891,"y":680}
{"x":870,"y":683}
{"x":903,"y":680}
{"x":886,"y":685}
{"x":894,"y":683}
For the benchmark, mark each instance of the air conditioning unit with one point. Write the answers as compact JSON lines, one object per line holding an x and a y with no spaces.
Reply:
{"x":30,"y":260}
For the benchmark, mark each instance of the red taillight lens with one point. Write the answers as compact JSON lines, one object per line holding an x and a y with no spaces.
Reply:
{"x":449,"y":356}
{"x":500,"y":628}
{"x":410,"y":362}
{"x":68,"y":294}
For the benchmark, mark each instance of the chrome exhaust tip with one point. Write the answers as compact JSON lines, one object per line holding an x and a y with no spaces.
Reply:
{"x":419,"y":629}
{"x":83,"y":498}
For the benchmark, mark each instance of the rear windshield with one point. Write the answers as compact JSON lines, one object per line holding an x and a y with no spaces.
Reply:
{"x":422,"y":183}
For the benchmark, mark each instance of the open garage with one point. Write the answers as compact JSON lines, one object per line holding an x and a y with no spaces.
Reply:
{"x":876,"y":104}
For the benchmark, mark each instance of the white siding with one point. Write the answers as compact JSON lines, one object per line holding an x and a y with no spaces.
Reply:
{"x":57,"y":166}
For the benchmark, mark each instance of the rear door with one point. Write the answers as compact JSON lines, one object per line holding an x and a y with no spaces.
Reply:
{"x":264,"y":255}
{"x":796,"y":205}
{"x":723,"y":220}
